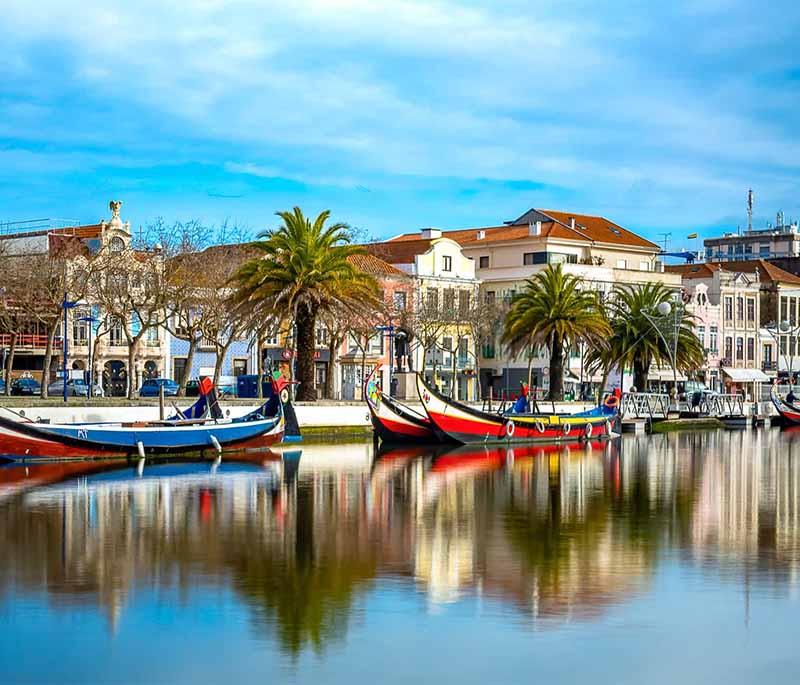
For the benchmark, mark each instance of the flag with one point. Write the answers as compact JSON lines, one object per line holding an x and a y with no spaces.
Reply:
{"x":692,"y":235}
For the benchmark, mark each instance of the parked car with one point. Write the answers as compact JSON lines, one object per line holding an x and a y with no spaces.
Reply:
{"x":150,"y":388}
{"x":25,"y":386}
{"x":76,"y":387}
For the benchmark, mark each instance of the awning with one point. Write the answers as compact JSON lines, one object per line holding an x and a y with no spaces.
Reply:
{"x":746,"y":375}
{"x":664,"y":375}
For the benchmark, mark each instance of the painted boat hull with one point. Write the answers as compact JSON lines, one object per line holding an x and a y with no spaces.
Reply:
{"x":788,"y":412}
{"x":393,"y":422}
{"x":467,"y":425}
{"x":28,"y":438}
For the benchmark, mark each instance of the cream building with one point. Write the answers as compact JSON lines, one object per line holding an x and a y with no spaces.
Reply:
{"x":597,"y":250}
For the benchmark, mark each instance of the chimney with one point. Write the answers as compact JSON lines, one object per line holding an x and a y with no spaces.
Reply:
{"x":535,"y":228}
{"x":572,"y":222}
{"x":431,"y":233}
{"x":481,"y":235}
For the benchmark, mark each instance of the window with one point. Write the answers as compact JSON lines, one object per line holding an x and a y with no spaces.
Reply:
{"x":483,"y":262}
{"x":729,"y":349}
{"x":432,"y":297}
{"x":117,"y":244}
{"x":117,"y":281}
{"x":763,"y":251}
{"x":239,"y":367}
{"x":739,"y":349}
{"x":271,"y":336}
{"x":712,"y":342}
{"x":739,"y":248}
{"x":751,"y":349}
{"x":561,"y":258}
{"x":151,"y":337}
{"x":490,"y":296}
{"x":321,"y":336}
{"x":766,"y":353}
{"x":463,"y":351}
{"x":644,"y":266}
{"x":793,"y":311}
{"x":487,"y":348}
{"x":116,"y":334}
{"x":740,"y":309}
{"x":701,"y":335}
{"x":80,"y":329}
{"x":447,"y":263}
{"x":447,"y":347}
{"x":400,"y":300}
{"x":375,"y":345}
{"x":748,"y":249}
{"x":527,"y":258}
{"x":622,"y":264}
{"x":751,"y":309}
{"x":463,"y":302}
{"x":449,"y":300}
{"x":728,"y":308}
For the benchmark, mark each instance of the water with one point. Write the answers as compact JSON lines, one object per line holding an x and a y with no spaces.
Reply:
{"x":659,"y":559}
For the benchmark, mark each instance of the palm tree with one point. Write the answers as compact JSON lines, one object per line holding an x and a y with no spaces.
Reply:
{"x":302,"y":269}
{"x":638,"y":341}
{"x":552,"y":310}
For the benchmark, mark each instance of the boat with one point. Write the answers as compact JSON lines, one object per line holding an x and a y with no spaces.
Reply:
{"x":789,"y":412}
{"x":393,"y":421}
{"x":22,"y":437}
{"x":467,"y":425}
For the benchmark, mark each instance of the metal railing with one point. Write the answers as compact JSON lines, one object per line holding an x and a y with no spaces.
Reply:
{"x":729,"y":404}
{"x":35,"y":340}
{"x":644,"y":405}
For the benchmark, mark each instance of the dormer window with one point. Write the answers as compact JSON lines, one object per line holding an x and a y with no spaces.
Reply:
{"x":447,"y":263}
{"x":116,"y":244}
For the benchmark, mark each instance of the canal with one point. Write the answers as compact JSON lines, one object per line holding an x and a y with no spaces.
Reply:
{"x":653,"y":559}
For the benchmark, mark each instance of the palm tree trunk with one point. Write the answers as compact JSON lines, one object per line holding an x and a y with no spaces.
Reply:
{"x":556,"y":370}
{"x":640,"y":375}
{"x":603,"y":381}
{"x":332,"y":345}
{"x":304,"y":345}
{"x":260,"y":365}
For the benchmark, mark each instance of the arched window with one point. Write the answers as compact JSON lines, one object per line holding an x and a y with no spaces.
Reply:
{"x":117,"y":244}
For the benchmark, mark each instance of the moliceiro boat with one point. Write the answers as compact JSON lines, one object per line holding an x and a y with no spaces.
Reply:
{"x":23,"y":437}
{"x":788,"y":410}
{"x":393,"y":421}
{"x":468,"y":425}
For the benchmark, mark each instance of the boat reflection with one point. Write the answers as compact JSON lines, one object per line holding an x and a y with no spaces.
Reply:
{"x":554,"y":533}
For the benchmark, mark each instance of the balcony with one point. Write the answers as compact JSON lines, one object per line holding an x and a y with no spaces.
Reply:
{"x":32,"y":341}
{"x":769,"y":366}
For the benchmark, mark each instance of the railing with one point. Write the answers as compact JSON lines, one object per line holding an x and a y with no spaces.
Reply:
{"x":644,"y":405}
{"x":28,"y":340}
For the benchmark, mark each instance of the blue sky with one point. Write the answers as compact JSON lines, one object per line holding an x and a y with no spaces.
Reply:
{"x":398,"y":115}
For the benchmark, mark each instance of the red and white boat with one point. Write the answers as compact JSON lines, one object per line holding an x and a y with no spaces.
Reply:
{"x":789,"y":412}
{"x":468,"y":425}
{"x":393,"y":421}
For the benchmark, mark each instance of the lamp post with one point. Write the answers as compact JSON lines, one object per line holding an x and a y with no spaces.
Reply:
{"x":785,"y":328}
{"x":91,"y":320}
{"x":664,"y":309}
{"x":66,"y":305}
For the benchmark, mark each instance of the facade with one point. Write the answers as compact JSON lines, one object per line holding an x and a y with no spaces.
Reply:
{"x":779,"y":241}
{"x":112,"y":238}
{"x":446,"y":293}
{"x":601,"y":252}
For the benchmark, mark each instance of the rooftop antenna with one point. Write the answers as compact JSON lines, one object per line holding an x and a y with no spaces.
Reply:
{"x":665,"y":237}
{"x":750,"y":209}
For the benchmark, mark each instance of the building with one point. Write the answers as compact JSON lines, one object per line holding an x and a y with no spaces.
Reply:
{"x":779,"y":241}
{"x":111,"y":240}
{"x":597,"y":250}
{"x":445,"y":312}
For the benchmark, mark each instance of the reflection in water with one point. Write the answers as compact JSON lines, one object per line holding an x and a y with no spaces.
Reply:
{"x":555,"y":534}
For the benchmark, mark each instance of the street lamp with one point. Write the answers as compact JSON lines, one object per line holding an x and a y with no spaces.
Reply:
{"x":66,"y":304}
{"x":664,"y":309}
{"x":390,"y":330}
{"x":91,"y":320}
{"x":792,"y":332}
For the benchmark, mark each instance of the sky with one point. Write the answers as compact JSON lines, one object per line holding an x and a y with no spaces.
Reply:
{"x":398,"y":115}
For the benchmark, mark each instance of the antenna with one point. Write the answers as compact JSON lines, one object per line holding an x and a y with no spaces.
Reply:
{"x":750,"y":209}
{"x":665,"y":237}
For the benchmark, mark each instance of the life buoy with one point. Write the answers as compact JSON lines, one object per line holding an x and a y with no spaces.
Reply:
{"x":612,"y":402}
{"x":284,"y":395}
{"x":539,"y":426}
{"x":566,"y":428}
{"x":510,"y":428}
{"x":588,"y":430}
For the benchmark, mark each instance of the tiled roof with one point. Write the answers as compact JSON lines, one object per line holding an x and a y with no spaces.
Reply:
{"x":84,"y":232}
{"x":700,"y":270}
{"x":399,"y":251}
{"x":766,"y":270}
{"x":587,"y":228}
{"x":375,"y":266}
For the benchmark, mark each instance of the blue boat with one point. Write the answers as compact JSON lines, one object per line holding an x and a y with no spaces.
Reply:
{"x":199,"y":427}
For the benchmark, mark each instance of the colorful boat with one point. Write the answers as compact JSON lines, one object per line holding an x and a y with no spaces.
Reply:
{"x":468,"y":425}
{"x":789,"y":412}
{"x":393,"y":421}
{"x":23,"y":437}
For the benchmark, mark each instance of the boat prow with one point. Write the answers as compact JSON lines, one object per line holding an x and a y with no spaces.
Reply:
{"x":393,"y":421}
{"x":788,"y":412}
